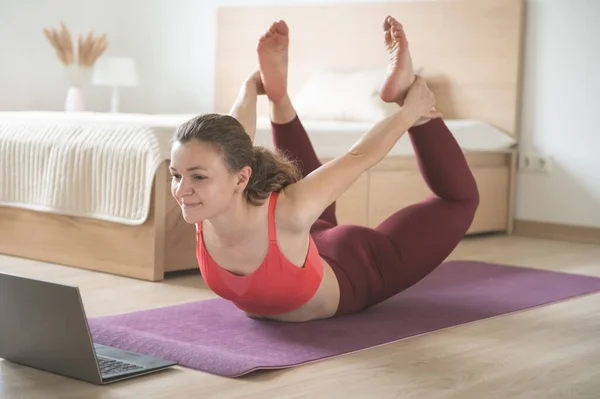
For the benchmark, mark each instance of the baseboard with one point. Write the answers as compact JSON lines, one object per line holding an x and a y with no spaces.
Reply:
{"x":555,"y":231}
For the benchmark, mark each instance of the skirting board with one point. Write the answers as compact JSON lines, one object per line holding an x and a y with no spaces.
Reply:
{"x":555,"y":231}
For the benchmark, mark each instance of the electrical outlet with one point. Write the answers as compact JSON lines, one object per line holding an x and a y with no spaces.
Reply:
{"x":542,"y":164}
{"x":535,"y":163}
{"x":525,"y":162}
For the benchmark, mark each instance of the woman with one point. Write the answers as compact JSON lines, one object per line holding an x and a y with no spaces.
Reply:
{"x":268,"y":239}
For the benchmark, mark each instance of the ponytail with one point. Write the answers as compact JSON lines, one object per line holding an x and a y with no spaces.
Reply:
{"x":271,"y":172}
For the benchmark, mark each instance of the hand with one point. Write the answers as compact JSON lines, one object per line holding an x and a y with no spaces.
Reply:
{"x":255,"y":82}
{"x":421,"y":100}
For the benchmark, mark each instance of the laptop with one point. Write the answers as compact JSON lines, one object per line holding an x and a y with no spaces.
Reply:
{"x":43,"y":325}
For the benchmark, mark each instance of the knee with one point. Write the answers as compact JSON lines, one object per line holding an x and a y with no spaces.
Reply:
{"x":468,"y":194}
{"x":474,"y":200}
{"x":471,"y":204}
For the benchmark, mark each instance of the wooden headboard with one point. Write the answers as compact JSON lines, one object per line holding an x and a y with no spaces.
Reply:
{"x":470,"y":50}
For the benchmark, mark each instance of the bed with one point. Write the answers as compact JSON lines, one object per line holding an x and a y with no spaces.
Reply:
{"x":396,"y":181}
{"x":469,"y":51}
{"x":91,"y":190}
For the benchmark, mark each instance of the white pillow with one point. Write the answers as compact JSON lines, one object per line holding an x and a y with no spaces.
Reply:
{"x":343,"y":96}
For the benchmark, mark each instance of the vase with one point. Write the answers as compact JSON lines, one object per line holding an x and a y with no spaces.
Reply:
{"x":77,"y":76}
{"x":75,"y":101}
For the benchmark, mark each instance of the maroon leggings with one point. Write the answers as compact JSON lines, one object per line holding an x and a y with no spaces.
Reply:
{"x":373,"y":264}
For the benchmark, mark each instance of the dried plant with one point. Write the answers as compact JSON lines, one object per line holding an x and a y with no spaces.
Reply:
{"x":62,"y":43}
{"x":89,"y":48}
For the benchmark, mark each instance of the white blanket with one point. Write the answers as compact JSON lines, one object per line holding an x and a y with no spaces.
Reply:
{"x":332,"y":138}
{"x":100,"y":166}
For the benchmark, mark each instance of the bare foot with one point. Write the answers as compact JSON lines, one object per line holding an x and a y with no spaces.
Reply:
{"x":273,"y":60}
{"x":400,"y":75}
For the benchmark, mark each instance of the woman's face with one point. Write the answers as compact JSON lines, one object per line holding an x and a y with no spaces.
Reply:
{"x":201,"y":183}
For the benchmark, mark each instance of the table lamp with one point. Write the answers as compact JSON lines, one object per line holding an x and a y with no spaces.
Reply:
{"x":115,"y":72}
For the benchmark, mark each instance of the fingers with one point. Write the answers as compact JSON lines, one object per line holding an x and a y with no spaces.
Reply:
{"x":420,"y":80}
{"x":433,"y":113}
{"x":422,"y":98}
{"x":421,"y":84}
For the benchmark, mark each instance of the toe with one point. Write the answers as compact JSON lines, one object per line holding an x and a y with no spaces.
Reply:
{"x":396,"y":25}
{"x":398,"y":31}
{"x":268,"y":33}
{"x":270,"y":30}
{"x":388,"y":37}
{"x":281,"y":27}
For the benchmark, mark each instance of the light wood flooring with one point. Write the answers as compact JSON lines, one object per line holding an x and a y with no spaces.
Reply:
{"x":548,"y":352}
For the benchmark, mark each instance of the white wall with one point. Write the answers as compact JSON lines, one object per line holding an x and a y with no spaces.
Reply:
{"x":167,"y":39}
{"x":561,"y":103}
{"x":173,"y":43}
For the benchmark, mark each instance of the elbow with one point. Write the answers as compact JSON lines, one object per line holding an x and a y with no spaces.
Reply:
{"x":364,"y":159}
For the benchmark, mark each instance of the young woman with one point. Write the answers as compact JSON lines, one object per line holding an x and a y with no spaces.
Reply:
{"x":267,"y":234}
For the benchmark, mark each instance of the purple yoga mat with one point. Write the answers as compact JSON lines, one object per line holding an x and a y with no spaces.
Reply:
{"x":215,"y":337}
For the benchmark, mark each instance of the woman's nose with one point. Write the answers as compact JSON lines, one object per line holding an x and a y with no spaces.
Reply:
{"x":183,"y":188}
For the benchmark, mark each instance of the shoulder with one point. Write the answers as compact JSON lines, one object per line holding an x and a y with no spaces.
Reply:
{"x":305,"y":200}
{"x":286,"y":214}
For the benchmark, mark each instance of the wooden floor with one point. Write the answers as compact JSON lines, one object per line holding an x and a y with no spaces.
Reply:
{"x":548,"y":352}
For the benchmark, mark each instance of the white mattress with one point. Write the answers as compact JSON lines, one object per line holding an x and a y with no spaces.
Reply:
{"x":333,"y":138}
{"x":102,"y":166}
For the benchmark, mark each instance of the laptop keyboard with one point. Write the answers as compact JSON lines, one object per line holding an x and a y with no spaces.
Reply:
{"x":110,"y":366}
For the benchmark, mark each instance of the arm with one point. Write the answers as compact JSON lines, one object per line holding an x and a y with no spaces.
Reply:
{"x":308,"y":198}
{"x":244,"y":108}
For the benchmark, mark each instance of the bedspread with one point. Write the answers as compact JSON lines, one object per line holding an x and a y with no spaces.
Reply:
{"x":96,"y":166}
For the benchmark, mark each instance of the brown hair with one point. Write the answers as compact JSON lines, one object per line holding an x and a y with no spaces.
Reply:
{"x":271,"y":170}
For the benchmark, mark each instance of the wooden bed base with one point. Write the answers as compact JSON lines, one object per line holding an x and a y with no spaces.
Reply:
{"x":396,"y":182}
{"x":165,"y":242}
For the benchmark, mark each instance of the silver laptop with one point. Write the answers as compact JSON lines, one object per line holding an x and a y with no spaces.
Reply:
{"x":43,"y":325}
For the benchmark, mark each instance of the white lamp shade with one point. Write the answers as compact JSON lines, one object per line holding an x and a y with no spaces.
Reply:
{"x":115,"y":71}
